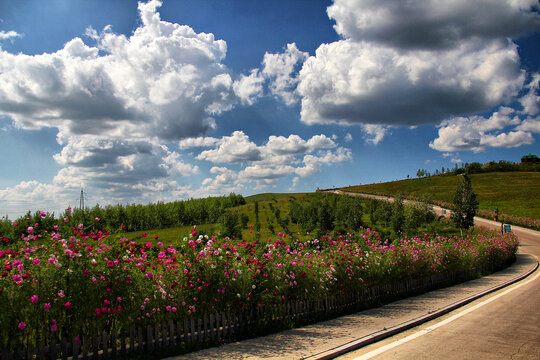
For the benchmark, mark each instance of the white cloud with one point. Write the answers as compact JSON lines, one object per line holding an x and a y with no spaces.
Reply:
{"x":4,"y":35}
{"x":432,"y":24}
{"x":292,"y":145}
{"x":249,"y":88}
{"x":348,"y":137}
{"x":347,"y":82}
{"x":280,"y":69}
{"x":321,"y":142}
{"x":164,"y":80}
{"x":312,"y":164}
{"x":236,"y":148}
{"x":374,"y":133}
{"x":197,"y":142}
{"x":264,"y":165}
{"x":532,"y":125}
{"x":531,"y":100}
{"x":294,"y":184}
{"x":477,"y":133}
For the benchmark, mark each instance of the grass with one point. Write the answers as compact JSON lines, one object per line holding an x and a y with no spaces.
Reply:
{"x":513,"y":193}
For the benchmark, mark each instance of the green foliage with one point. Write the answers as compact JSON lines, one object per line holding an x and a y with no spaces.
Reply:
{"x":398,"y":214}
{"x":134,"y":217}
{"x":465,"y":204}
{"x":231,"y":224}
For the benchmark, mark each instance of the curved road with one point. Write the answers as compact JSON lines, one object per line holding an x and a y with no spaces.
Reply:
{"x":503,"y":325}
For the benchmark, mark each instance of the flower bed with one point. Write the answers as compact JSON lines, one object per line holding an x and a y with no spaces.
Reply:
{"x":93,"y":282}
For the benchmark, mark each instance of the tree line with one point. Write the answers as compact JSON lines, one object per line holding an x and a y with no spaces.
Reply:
{"x":476,"y":168}
{"x":133,"y":217}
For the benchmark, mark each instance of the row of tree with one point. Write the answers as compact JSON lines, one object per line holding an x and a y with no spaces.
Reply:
{"x":476,"y":167}
{"x":326,"y":212}
{"x":134,"y":217}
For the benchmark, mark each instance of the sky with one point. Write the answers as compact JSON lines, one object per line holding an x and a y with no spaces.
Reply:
{"x":139,"y":102}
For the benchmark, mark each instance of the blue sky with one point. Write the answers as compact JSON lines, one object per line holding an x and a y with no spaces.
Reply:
{"x":159,"y":101}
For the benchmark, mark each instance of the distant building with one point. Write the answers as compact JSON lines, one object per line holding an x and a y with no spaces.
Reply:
{"x":530,"y":159}
{"x":489,"y":163}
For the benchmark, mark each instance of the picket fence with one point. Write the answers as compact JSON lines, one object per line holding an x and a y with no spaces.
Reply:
{"x":212,"y":329}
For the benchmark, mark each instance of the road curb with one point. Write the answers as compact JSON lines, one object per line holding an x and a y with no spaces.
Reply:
{"x":386,"y":333}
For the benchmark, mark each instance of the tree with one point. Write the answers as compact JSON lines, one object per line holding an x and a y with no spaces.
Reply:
{"x":465,"y":205}
{"x":398,"y":214}
{"x":231,"y":224}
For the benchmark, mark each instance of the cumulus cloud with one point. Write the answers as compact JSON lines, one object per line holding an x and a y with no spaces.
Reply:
{"x":412,"y":63}
{"x":236,"y":148}
{"x":374,"y":133}
{"x":117,"y":99}
{"x":165,"y":80}
{"x":531,"y":100}
{"x":121,"y":165}
{"x":200,"y":141}
{"x":266,"y":164}
{"x":360,"y":83}
{"x":430,"y":24}
{"x":249,"y":88}
{"x":281,"y":69}
{"x":476,"y":133}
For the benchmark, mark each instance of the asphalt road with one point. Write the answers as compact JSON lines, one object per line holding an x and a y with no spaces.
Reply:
{"x":503,"y":325}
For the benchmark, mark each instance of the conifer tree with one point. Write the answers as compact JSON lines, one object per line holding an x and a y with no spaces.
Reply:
{"x":465,"y":205}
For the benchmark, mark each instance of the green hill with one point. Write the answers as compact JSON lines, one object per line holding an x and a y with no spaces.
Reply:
{"x":513,"y":193}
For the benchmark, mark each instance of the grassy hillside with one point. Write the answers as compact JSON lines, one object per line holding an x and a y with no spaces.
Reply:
{"x":514,"y":193}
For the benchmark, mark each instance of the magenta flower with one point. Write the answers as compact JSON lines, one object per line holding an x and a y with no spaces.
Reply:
{"x":67,"y":305}
{"x":15,"y":224}
{"x":149,"y":244}
{"x":30,"y":230}
{"x":34,"y":299}
{"x":96,"y":219}
{"x":42,"y":213}
{"x":36,"y":261}
{"x":22,"y":326}
{"x":47,"y":306}
{"x":53,"y":327}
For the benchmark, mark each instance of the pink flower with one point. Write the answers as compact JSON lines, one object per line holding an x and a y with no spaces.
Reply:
{"x":42,"y":213}
{"x":144,"y":235}
{"x":55,"y":227}
{"x":67,"y":305}
{"x":22,"y":326}
{"x":80,"y":226}
{"x":149,"y":244}
{"x":96,"y":219}
{"x":30,"y":230}
{"x":34,"y":299}
{"x":53,"y":327}
{"x":15,"y":224}
{"x":47,"y":306}
{"x":66,"y":219}
{"x":36,"y":261}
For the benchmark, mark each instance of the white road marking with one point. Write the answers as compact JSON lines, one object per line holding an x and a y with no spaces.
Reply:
{"x":427,"y":330}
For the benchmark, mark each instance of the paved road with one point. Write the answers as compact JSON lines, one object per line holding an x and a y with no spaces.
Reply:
{"x":508,"y":327}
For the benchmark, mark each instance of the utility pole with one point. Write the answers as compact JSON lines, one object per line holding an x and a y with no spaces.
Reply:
{"x":81,"y":200}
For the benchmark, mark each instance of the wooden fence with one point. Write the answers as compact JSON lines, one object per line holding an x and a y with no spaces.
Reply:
{"x":212,"y":329}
